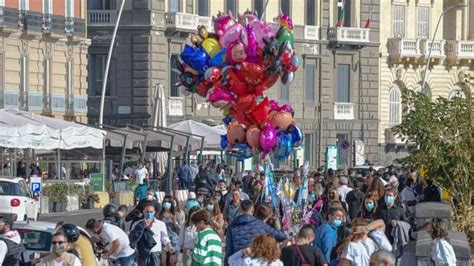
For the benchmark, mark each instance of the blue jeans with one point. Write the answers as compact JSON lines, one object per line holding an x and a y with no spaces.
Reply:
{"x":125,"y":261}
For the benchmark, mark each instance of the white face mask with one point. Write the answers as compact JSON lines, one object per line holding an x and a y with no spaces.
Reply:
{"x":149,"y":197}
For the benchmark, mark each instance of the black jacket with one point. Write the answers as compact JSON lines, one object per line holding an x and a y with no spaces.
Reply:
{"x":141,"y":238}
{"x":387,"y":215}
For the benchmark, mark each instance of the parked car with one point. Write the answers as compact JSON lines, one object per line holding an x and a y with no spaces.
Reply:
{"x":16,"y":200}
{"x":37,"y":236}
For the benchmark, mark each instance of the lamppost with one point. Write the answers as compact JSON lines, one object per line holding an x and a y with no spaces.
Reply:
{"x":107,"y":65}
{"x":461,"y":5}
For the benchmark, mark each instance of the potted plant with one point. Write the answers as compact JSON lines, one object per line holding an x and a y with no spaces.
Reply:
{"x":88,"y":198}
{"x":57,"y":195}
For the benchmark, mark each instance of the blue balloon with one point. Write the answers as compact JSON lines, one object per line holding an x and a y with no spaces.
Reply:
{"x":283,"y":146}
{"x":196,"y":58}
{"x":227,"y":120}
{"x":219,"y":59}
{"x":241,"y":151}
{"x":296,"y":135}
{"x":224,"y":142}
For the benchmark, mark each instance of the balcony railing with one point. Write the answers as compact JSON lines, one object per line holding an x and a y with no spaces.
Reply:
{"x":460,"y":50}
{"x":46,"y":23}
{"x":436,"y":52}
{"x":2,"y":20}
{"x":69,"y":26}
{"x":344,"y":111}
{"x":349,"y":35}
{"x":175,"y":106}
{"x":186,"y":22}
{"x":311,"y":32}
{"x":100,"y":18}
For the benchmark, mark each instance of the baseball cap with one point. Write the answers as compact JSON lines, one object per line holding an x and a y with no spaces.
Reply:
{"x":6,"y":220}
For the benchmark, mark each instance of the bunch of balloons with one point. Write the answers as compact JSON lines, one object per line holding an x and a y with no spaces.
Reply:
{"x":232,"y":68}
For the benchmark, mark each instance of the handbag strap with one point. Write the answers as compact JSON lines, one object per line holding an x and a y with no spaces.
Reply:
{"x":300,"y":254}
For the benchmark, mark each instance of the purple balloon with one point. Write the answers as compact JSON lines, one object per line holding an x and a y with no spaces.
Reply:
{"x":268,"y":138}
{"x":251,"y":46}
{"x":286,"y":108}
{"x":273,"y":105}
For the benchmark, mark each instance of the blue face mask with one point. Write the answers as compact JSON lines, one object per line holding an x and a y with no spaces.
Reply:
{"x":369,"y":206}
{"x":210,"y":207}
{"x":389,"y":200}
{"x":312,"y":197}
{"x":149,"y":216}
{"x":167,"y":205}
{"x":337,"y":222}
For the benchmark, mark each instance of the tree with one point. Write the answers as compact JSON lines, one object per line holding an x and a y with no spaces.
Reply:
{"x":441,"y":131}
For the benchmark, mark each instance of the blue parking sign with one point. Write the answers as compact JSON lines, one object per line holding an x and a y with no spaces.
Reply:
{"x":35,"y":184}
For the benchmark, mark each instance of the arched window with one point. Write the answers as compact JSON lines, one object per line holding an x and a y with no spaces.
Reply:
{"x":425,"y":91}
{"x":394,"y":107}
{"x":457,"y":92}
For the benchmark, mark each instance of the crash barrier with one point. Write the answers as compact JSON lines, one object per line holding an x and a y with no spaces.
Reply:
{"x":425,"y":211}
{"x":103,"y":200}
{"x":122,"y":198}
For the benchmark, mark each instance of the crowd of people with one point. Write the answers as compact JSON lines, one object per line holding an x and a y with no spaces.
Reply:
{"x":352,"y":219}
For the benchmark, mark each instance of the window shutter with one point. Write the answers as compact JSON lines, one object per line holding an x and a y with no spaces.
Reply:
{"x":399,"y":21}
{"x":174,"y":76}
{"x":423,"y":22}
{"x":394,"y":106}
{"x":309,"y":95}
{"x":343,"y":83}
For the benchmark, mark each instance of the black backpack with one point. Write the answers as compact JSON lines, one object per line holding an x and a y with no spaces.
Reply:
{"x":14,"y":252}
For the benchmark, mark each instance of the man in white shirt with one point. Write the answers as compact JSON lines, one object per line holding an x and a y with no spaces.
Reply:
{"x":140,"y":173}
{"x":120,"y":249}
{"x":148,"y":236}
{"x":343,"y":189}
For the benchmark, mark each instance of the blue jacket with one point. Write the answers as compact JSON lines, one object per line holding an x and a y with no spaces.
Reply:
{"x":326,"y":239}
{"x":242,"y":231}
{"x":141,"y":192}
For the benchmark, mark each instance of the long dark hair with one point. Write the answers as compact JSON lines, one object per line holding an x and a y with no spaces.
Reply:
{"x":168,"y":198}
{"x":439,"y":229}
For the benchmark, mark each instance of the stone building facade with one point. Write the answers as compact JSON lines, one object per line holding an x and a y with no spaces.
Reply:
{"x":334,"y":94}
{"x":404,"y":48}
{"x":43,"y":57}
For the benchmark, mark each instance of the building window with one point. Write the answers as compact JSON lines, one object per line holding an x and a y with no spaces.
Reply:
{"x":96,"y":75}
{"x":423,"y":22}
{"x":2,"y":88}
{"x":398,"y":21}
{"x":394,"y":107}
{"x":174,"y":76}
{"x":308,"y":148}
{"x":174,"y":5}
{"x":259,"y":6}
{"x":70,"y":86}
{"x":456,"y":93}
{"x":24,"y":4}
{"x":309,"y":90}
{"x":47,"y":7}
{"x":284,"y":92}
{"x":47,"y":85}
{"x":101,"y":4}
{"x":69,"y":8}
{"x":343,"y":83}
{"x":344,"y":13}
{"x":203,"y":8}
{"x":311,"y":12}
{"x":23,"y":101}
{"x":231,"y":5}
{"x":285,"y":7}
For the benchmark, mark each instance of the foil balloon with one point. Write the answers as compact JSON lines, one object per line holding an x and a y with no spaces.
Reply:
{"x":223,"y":22}
{"x":212,"y":74}
{"x":262,"y":31}
{"x":245,"y":103}
{"x":284,"y":35}
{"x":203,"y":88}
{"x":248,"y":17}
{"x":287,"y":77}
{"x":268,"y":138}
{"x":224,"y":142}
{"x":241,"y":151}
{"x":286,"y":108}
{"x":236,"y":133}
{"x":296,"y":135}
{"x":283,"y":146}
{"x":236,"y":52}
{"x":235,"y":33}
{"x":251,"y":73}
{"x":183,"y":91}
{"x":260,"y":113}
{"x":253,"y":136}
{"x":282,"y":120}
{"x":219,"y":59}
{"x":294,"y":63}
{"x":251,"y":46}
{"x":285,"y":21}
{"x":211,"y":46}
{"x":220,"y":97}
{"x":198,"y":59}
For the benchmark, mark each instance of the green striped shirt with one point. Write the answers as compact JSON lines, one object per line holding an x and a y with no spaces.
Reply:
{"x":208,"y":249}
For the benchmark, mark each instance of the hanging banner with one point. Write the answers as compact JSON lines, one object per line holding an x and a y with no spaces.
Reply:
{"x":331,"y":157}
{"x":359,"y":152}
{"x":247,"y":164}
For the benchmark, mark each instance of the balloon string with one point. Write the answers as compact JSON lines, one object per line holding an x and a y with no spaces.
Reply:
{"x":264,"y":10}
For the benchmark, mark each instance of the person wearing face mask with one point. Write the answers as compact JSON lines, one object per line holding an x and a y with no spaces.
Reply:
{"x":168,"y":216}
{"x":302,"y":252}
{"x":390,"y":212}
{"x":217,"y":219}
{"x":187,"y":237}
{"x":369,"y":209}
{"x":408,"y":198}
{"x":326,"y":239}
{"x":119,"y":245}
{"x":59,"y":256}
{"x":137,"y":212}
{"x":148,"y":236}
